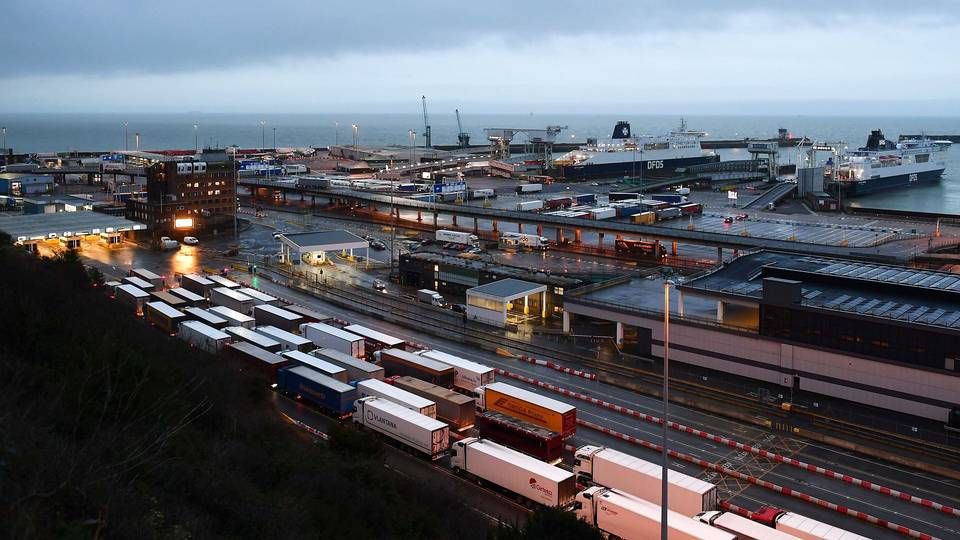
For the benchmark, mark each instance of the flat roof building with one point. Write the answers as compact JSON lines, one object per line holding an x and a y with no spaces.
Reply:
{"x":494,"y":304}
{"x":312,"y":247}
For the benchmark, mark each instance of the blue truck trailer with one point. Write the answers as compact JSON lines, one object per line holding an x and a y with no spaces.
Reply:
{"x":310,"y":385}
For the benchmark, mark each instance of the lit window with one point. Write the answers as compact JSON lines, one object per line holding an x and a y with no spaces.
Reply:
{"x":558,"y":291}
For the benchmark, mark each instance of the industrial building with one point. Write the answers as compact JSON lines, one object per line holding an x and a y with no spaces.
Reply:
{"x":312,"y":247}
{"x":25,"y":184}
{"x":880,"y":335}
{"x":184,"y":196}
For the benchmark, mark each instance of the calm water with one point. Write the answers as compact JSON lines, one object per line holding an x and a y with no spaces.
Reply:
{"x":59,"y":133}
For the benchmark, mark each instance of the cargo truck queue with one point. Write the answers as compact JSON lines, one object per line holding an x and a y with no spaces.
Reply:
{"x":504,"y":437}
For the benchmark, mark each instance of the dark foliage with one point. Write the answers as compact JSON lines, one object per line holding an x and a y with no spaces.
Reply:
{"x":548,"y":523}
{"x":109,"y":428}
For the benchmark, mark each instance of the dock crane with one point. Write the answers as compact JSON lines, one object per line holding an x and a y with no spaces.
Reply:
{"x":426,"y":123}
{"x":462,"y":136}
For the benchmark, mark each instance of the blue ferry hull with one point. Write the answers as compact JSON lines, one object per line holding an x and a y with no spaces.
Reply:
{"x":651,"y":169}
{"x":854,"y":189}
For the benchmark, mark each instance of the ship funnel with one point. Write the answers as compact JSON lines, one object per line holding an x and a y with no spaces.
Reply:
{"x":621,"y":130}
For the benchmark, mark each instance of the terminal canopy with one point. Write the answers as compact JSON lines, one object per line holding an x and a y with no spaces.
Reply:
{"x":494,"y":304}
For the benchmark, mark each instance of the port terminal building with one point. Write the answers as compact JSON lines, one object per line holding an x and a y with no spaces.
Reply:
{"x":879,"y":335}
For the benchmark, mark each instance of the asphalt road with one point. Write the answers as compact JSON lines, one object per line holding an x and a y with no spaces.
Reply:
{"x":117,"y":261}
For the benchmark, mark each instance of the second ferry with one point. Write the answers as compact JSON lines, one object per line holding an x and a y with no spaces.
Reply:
{"x":884,"y":164}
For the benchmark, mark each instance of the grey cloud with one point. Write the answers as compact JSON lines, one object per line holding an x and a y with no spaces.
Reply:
{"x":44,"y":37}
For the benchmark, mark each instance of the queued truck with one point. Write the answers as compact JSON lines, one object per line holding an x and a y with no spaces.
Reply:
{"x":528,"y":406}
{"x":154,"y":279}
{"x":614,"y":469}
{"x":453,"y":408}
{"x":801,"y":526}
{"x":380,"y":389}
{"x":330,"y":337}
{"x":457,"y":237}
{"x":232,"y":316}
{"x":164,"y":316}
{"x":374,"y":341}
{"x":467,"y":375}
{"x":398,"y":362}
{"x":426,"y":435}
{"x":621,"y":515}
{"x":267,"y":315}
{"x":259,"y":298}
{"x":514,"y":472}
{"x":303,"y":383}
{"x":256,"y":360}
{"x":308,"y":314}
{"x":134,"y":296}
{"x":206,"y":317}
{"x":202,"y":336}
{"x":327,"y":368}
{"x":743,"y":528}
{"x":523,"y":240}
{"x":529,"y":188}
{"x":288,"y":341}
{"x":197,"y":284}
{"x":173,"y":301}
{"x":357,"y":369}
{"x":191,"y":298}
{"x":525,"y":437}
{"x":222,"y":296}
{"x":430,"y":297}
{"x":221,"y":281}
{"x":529,"y":206}
{"x":250,"y":336}
{"x":139,"y":283}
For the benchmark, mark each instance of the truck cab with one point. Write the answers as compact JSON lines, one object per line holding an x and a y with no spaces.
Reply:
{"x":583,"y":505}
{"x":430,"y":297}
{"x":583,"y":462}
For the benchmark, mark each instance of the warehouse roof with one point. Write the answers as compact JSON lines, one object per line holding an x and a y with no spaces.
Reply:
{"x":507,"y":289}
{"x":39,"y":226}
{"x":324,"y":241}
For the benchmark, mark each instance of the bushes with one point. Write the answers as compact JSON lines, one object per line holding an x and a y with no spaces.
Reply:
{"x":110,"y":428}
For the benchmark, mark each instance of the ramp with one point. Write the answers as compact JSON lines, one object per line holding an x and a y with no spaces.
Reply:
{"x":773,"y":195}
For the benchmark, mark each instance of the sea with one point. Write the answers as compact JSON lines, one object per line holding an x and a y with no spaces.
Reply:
{"x":30,"y":133}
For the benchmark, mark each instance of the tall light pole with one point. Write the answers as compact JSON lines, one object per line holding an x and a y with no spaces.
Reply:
{"x":196,"y":138}
{"x":664,"y":483}
{"x":274,"y":138}
{"x":136,"y":141}
{"x":263,"y":137}
{"x":336,"y":133}
{"x":3,"y":144}
{"x":125,"y":139}
{"x":356,"y":137}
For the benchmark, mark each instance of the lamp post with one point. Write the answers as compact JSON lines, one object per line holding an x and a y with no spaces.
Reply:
{"x":196,"y":138}
{"x":125,"y":139}
{"x":263,"y":137}
{"x":356,"y":136}
{"x":664,"y":483}
{"x":274,"y":138}
{"x":336,"y":133}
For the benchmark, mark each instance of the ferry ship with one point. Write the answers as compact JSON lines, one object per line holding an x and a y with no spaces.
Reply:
{"x":884,"y":164}
{"x":641,"y":157}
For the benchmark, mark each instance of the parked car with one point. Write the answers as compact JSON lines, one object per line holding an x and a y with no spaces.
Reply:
{"x":190,"y":240}
{"x":459,"y":308}
{"x":378,"y":245}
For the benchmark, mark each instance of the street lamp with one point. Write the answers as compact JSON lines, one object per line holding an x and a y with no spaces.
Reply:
{"x":196,"y":138}
{"x":263,"y":138}
{"x":356,"y":136}
{"x":274,"y":138}
{"x":125,"y":143}
{"x":336,"y":133}
{"x":664,"y":483}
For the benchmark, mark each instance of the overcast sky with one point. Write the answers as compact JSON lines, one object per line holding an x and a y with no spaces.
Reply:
{"x":678,"y":56}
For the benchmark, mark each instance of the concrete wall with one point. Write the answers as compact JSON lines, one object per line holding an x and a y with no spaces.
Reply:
{"x":881,"y":384}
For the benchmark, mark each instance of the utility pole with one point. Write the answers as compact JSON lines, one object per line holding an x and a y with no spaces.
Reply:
{"x":125,"y":138}
{"x":136,"y":139}
{"x":196,"y":138}
{"x":664,"y":481}
{"x":274,"y":138}
{"x":263,"y":137}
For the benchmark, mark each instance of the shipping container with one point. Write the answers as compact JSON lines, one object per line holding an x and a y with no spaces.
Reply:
{"x":529,"y":206}
{"x":453,"y":408}
{"x":267,"y":315}
{"x":514,"y":472}
{"x":356,"y":369}
{"x":329,"y":337}
{"x":586,"y":198}
{"x":256,"y":360}
{"x":621,"y":196}
{"x":259,"y":298}
{"x":398,"y":362}
{"x":206,"y":317}
{"x":197,"y":284}
{"x":741,"y":527}
{"x":154,"y":279}
{"x":163,"y":296}
{"x":690,"y":209}
{"x":164,"y":316}
{"x":654,"y":205}
{"x":672,"y":198}
{"x":202,"y":336}
{"x":134,"y":296}
{"x":558,"y":202}
{"x":303,"y":383}
{"x":288,"y":341}
{"x":530,"y":407}
{"x":233,"y":317}
{"x":374,"y":341}
{"x":222,"y":296}
{"x":380,"y":389}
{"x":525,"y":437}
{"x":191,"y":298}
{"x":810,"y":529}
{"x":483,"y":194}
{"x":622,"y":515}
{"x":529,"y":188}
{"x":603,"y":213}
{"x":426,"y":435}
{"x":221,"y":281}
{"x":614,"y":469}
{"x":139,"y":283}
{"x":670,"y":212}
{"x":308,"y":314}
{"x":644,"y":218}
{"x":630,"y":210}
{"x":467,"y":375}
{"x":327,"y":368}
{"x":248,"y":335}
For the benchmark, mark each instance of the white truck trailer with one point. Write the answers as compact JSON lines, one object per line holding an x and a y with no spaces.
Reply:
{"x":233,"y":317}
{"x":326,"y":336}
{"x":424,"y":434}
{"x":810,"y":529}
{"x":288,"y":341}
{"x":467,"y":375}
{"x":614,"y":469}
{"x":259,"y":298}
{"x":513,"y":471}
{"x":327,"y":368}
{"x":625,"y":516}
{"x":430,"y":297}
{"x":524,"y":240}
{"x":357,"y":369}
{"x":222,"y":296}
{"x":457,"y":237}
{"x":743,"y":528}
{"x":380,"y":389}
{"x":202,"y":336}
